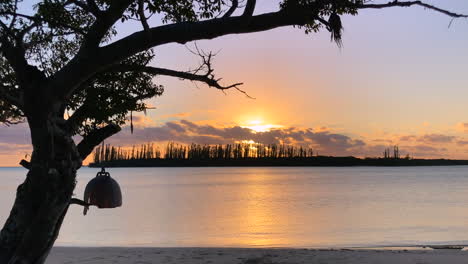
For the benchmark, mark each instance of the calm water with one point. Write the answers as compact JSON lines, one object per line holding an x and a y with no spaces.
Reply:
{"x":269,"y":207}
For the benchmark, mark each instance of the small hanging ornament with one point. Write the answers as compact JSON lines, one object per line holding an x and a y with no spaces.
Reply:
{"x":103,"y":192}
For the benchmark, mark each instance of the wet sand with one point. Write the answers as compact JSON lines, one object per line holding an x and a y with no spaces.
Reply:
{"x":75,"y":255}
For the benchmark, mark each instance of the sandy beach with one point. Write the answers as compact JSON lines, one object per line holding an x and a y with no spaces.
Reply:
{"x":74,"y":255}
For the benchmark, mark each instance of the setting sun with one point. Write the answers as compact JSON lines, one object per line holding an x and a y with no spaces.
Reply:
{"x":259,"y":125}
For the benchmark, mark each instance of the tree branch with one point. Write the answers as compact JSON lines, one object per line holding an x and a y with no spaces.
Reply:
{"x":234,"y":5}
{"x":103,"y":24}
{"x":26,"y":164}
{"x":17,"y":59}
{"x":141,"y":14}
{"x":7,"y":97}
{"x":411,"y":3}
{"x":43,"y":20}
{"x":204,"y":78}
{"x":79,"y":202}
{"x":249,"y":8}
{"x":94,"y":7}
{"x":85,"y":63}
{"x":81,"y":69}
{"x":78,"y":117}
{"x":90,"y":6}
{"x":94,"y":138}
{"x":82,"y":203}
{"x":13,"y":20}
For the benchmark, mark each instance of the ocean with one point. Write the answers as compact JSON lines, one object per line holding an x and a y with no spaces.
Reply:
{"x":269,"y":207}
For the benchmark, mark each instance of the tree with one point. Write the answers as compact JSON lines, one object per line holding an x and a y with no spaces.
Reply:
{"x":65,"y":72}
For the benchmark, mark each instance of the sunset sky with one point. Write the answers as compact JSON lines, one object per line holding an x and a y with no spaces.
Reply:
{"x":400,"y":78}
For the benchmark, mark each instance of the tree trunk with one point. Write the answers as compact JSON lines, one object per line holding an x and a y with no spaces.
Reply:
{"x":42,"y":200}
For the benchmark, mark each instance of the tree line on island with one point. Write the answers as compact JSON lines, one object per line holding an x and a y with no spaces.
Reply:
{"x":173,"y":151}
{"x":243,"y":154}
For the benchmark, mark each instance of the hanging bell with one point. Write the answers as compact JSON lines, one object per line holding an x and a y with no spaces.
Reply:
{"x":103,"y":192}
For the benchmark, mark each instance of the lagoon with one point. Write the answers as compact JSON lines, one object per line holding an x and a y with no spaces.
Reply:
{"x":269,"y":207}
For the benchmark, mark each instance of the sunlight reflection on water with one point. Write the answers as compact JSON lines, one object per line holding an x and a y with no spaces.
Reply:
{"x":269,"y":207}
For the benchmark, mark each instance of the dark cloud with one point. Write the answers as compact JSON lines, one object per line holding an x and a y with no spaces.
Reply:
{"x":408,"y":138}
{"x":462,"y":142}
{"x":16,"y":138}
{"x":436,"y":138}
{"x":426,"y":151}
{"x":188,"y":132}
{"x":323,"y":141}
{"x":428,"y":138}
{"x":176,"y":127}
{"x":388,"y":141}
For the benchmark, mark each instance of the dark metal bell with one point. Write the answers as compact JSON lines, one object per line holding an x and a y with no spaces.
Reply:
{"x":103,"y":191}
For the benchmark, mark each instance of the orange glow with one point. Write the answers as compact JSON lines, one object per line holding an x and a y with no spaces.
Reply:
{"x":260,"y":221}
{"x":259,"y":125}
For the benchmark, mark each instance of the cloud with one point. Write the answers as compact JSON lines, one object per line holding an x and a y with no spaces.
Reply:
{"x":428,"y":138}
{"x":381,"y":140}
{"x":408,"y":138}
{"x":323,"y":141}
{"x":436,"y":138}
{"x":187,"y":132}
{"x":6,"y":148}
{"x":15,"y":140}
{"x":462,"y":142}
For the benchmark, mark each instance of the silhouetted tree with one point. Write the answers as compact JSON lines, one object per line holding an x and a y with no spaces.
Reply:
{"x":65,"y":73}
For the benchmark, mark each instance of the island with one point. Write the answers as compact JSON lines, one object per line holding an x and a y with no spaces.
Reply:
{"x":246,"y":155}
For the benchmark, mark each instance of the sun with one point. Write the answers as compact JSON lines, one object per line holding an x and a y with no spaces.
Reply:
{"x":258,"y":125}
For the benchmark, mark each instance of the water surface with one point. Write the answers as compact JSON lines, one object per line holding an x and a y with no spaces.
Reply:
{"x":269,"y":207}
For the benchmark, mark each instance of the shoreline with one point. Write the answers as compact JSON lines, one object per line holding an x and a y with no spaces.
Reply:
{"x":318,"y":161}
{"x":194,"y":255}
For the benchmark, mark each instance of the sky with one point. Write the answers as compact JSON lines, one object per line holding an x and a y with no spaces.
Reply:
{"x":401,"y":78}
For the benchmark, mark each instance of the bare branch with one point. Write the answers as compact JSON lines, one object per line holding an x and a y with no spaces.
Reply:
{"x":141,"y":14}
{"x":207,"y":79}
{"x":411,"y":3}
{"x":234,"y":5}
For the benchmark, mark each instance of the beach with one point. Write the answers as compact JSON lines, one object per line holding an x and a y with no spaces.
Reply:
{"x":76,"y":255}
